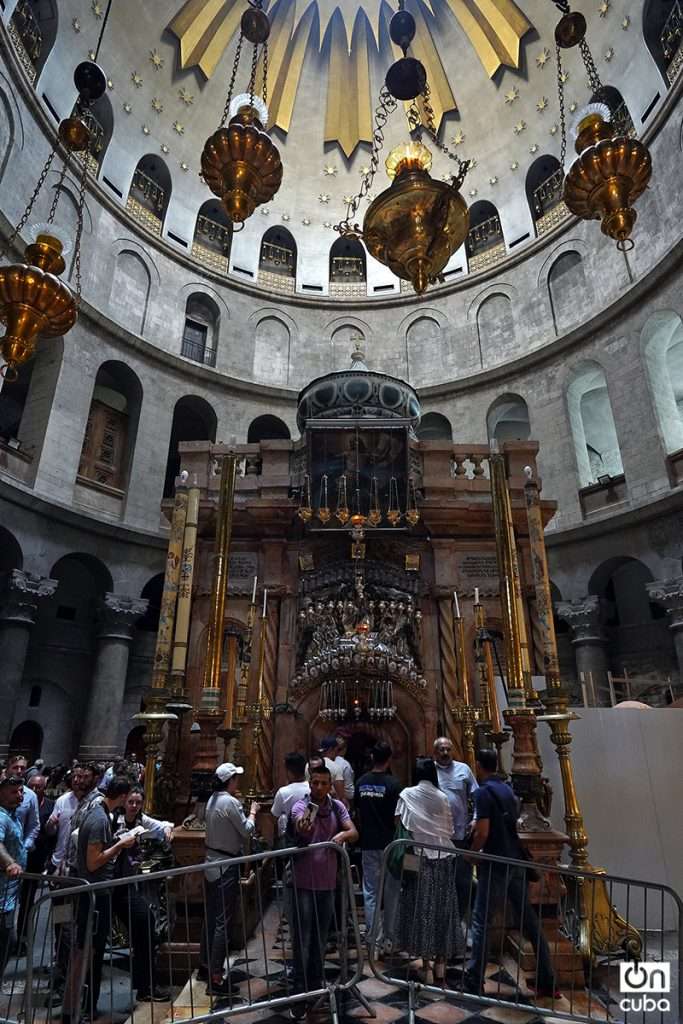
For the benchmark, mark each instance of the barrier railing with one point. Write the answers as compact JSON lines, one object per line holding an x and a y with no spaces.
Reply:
{"x":554,"y":941}
{"x":235,"y":935}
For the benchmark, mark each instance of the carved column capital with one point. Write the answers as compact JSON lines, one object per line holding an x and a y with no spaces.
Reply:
{"x":118,"y":615}
{"x":584,"y":619}
{"x":20,"y":593}
{"x":669,"y":594}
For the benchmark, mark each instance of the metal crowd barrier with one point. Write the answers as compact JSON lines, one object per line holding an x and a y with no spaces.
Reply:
{"x":94,"y":948}
{"x":615,"y":944}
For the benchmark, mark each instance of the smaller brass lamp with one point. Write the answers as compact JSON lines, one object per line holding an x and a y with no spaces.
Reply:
{"x":33,"y":300}
{"x":415,"y":225}
{"x":611,"y":172}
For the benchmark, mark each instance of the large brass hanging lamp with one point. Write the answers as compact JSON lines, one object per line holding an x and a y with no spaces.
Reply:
{"x":240,"y":163}
{"x":611,"y":170}
{"x":416,"y":224}
{"x":34,"y":302}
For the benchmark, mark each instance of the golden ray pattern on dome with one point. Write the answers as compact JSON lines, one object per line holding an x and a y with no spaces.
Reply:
{"x":204,"y":29}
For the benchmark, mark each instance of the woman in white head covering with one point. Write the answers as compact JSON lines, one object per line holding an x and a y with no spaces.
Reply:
{"x":428,"y":923}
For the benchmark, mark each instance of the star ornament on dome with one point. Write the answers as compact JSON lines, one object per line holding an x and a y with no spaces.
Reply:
{"x":543,"y":57}
{"x":146,"y":130}
{"x":542,"y":104}
{"x":164,"y":147}
{"x":364,"y":171}
{"x":127,"y":108}
{"x":609,"y":53}
{"x":184,"y":166}
{"x":178,"y":128}
{"x":533,"y":148}
{"x":512,"y":94}
{"x":554,"y":129}
{"x":473,"y":193}
{"x":186,"y":97}
{"x":305,"y":221}
{"x":157,"y":105}
{"x":329,"y":171}
{"x":493,"y":180}
{"x":136,"y":79}
{"x":458,"y":138}
{"x":514,"y":165}
{"x":75,"y":24}
{"x":96,"y":8}
{"x":156,"y":60}
{"x":603,"y":9}
{"x":519,"y":127}
{"x":324,"y":198}
{"x":626,"y":22}
{"x":564,"y":77}
{"x":347,"y":200}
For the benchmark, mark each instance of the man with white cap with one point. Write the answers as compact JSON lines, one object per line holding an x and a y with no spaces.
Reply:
{"x":226,"y":828}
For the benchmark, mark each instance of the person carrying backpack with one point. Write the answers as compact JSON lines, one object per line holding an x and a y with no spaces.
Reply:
{"x":495,"y":832}
{"x":318,"y":819}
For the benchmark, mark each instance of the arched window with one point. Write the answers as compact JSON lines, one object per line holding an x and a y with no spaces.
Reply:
{"x":619,"y":112}
{"x":27,"y":739}
{"x":662,"y":338}
{"x":434,"y":426}
{"x":152,"y":592}
{"x":12,"y":404}
{"x":150,"y":192}
{"x":663,"y":32}
{"x":193,"y":420}
{"x":33,"y":30}
{"x":544,"y":193}
{"x":212,"y":237}
{"x":508,"y":419}
{"x":277,"y":262}
{"x":267,"y":428}
{"x":348,"y":274}
{"x":595,"y":436}
{"x":111,"y":429}
{"x":200,"y":333}
{"x":11,"y":556}
{"x":132,"y":279}
{"x":495,"y":328}
{"x":99,"y":118}
{"x":566,"y":284}
{"x":272,"y":343}
{"x":485,"y":244}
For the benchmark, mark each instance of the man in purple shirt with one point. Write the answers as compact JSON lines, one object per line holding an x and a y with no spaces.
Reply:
{"x":320,"y":819}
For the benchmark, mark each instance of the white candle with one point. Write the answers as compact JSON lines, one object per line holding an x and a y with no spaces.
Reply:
{"x":253,"y":592}
{"x":476,"y":595}
{"x":265,"y":599}
{"x":455,"y":602}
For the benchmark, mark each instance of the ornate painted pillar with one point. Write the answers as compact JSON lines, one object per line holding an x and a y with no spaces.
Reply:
{"x":588,"y":640}
{"x":20,"y":594}
{"x":669,"y":594}
{"x":449,"y":674}
{"x":116,"y":626}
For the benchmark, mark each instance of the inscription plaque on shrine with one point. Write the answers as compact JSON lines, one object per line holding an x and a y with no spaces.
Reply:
{"x":478,"y":569}
{"x":242,"y":567}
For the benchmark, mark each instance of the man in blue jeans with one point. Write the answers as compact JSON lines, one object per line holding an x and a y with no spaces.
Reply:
{"x":375,"y":798}
{"x":495,"y":832}
{"x":320,"y":819}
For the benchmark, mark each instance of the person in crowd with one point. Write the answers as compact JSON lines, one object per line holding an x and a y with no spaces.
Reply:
{"x":347,"y":770}
{"x":12,"y":860}
{"x":428,"y":920}
{"x":457,"y":781}
{"x":495,"y":832}
{"x":328,"y":752}
{"x":376,"y":796}
{"x":318,"y":819}
{"x":90,"y":795}
{"x":27,"y":812}
{"x":37,"y":768}
{"x":226,"y":829}
{"x":97,"y":851}
{"x":296,"y":789}
{"x":129,"y":903}
{"x":39,"y":856}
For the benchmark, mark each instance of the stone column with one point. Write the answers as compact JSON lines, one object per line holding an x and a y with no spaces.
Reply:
{"x":588,"y":640}
{"x":116,"y":625}
{"x":669,"y":594}
{"x":20,"y":593}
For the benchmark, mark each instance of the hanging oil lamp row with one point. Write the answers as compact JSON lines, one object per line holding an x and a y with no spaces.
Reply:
{"x":335,"y":704}
{"x":353,"y":514}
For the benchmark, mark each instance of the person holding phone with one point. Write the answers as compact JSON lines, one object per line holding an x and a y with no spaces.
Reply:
{"x":319,"y":818}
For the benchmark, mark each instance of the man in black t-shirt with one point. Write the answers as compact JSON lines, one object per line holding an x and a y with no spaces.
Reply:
{"x":495,"y":832}
{"x":376,"y":796}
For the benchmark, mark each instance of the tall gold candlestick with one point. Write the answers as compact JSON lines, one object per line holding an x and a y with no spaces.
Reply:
{"x":219,"y":585}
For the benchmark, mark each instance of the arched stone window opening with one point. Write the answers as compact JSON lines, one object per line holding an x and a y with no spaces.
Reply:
{"x":434,"y":426}
{"x":544,"y":182}
{"x":485,"y":244}
{"x":27,"y":739}
{"x":508,"y":419}
{"x":663,"y":33}
{"x":592,"y":423}
{"x":348,"y":270}
{"x":277,"y":262}
{"x":620,"y":115}
{"x":212,"y":237}
{"x":150,"y":192}
{"x":13,"y":399}
{"x":566,"y":284}
{"x":11,"y":556}
{"x":99,"y":118}
{"x":33,"y":30}
{"x":152,"y":593}
{"x":111,"y":430}
{"x":193,"y":420}
{"x":267,"y":428}
{"x":200,"y":333}
{"x":662,"y":338}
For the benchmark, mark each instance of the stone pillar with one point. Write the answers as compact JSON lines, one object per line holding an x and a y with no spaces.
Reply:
{"x":117,"y":618}
{"x":669,"y":594}
{"x":20,"y":593}
{"x":588,"y":640}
